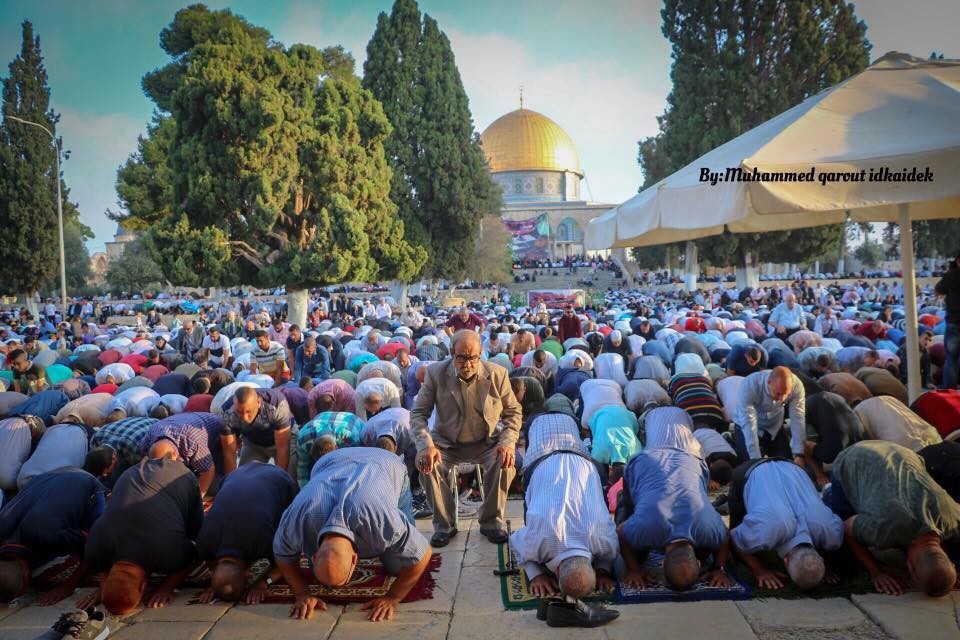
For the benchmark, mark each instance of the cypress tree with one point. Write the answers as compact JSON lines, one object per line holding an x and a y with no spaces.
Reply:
{"x":28,"y":203}
{"x":441,"y":182}
{"x":736,"y":64}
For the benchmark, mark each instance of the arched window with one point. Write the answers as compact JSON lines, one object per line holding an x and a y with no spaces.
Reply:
{"x":568,"y":231}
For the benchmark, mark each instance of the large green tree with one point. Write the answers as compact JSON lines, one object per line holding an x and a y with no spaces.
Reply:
{"x":264,"y":166}
{"x":134,"y":271}
{"x":28,"y":203}
{"x":441,"y":183}
{"x":736,"y":64}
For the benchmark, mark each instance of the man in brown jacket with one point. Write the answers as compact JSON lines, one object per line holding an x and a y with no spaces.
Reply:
{"x":470,"y":398}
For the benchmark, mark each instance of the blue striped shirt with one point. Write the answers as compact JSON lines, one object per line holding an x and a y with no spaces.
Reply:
{"x":354,"y":493}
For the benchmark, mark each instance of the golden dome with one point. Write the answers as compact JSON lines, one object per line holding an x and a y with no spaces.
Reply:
{"x":525,"y":140}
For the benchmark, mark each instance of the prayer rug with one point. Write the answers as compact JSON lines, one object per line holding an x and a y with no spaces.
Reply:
{"x":515,"y":590}
{"x":369,"y":581}
{"x":661,"y":593}
{"x":853,"y":580}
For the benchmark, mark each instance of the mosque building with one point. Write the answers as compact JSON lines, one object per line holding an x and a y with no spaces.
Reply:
{"x":537,"y":166}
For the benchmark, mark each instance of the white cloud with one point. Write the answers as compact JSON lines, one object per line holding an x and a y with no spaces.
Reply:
{"x":603,"y":105}
{"x":98,"y":144}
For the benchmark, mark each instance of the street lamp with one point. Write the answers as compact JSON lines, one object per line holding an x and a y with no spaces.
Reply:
{"x":63,"y":259}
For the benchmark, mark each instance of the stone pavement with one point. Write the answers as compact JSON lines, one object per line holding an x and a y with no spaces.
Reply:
{"x":467,"y":606}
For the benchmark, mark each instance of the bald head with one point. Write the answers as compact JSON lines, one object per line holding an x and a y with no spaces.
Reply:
{"x":229,"y":579}
{"x":931,"y":569}
{"x":163,"y":448}
{"x":576,"y":577}
{"x":463,"y":339}
{"x":334,"y":561}
{"x":805,"y":566}
{"x":780,"y":383}
{"x":681,"y":569}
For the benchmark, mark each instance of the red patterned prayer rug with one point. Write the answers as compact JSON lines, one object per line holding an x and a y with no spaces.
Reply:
{"x":369,"y":581}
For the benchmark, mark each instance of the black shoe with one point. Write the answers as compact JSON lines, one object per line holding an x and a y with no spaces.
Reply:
{"x":442,"y":538}
{"x":496,"y":536}
{"x":578,"y":614}
{"x":544,"y":603}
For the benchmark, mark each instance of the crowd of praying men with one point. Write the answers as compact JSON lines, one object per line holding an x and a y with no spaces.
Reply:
{"x":619,"y":424}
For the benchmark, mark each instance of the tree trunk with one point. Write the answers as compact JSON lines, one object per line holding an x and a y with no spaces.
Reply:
{"x":843,"y":253}
{"x":297,"y":302}
{"x":668,"y":258}
{"x":692,"y":266}
{"x":400,"y":292}
{"x":29,"y":300}
{"x":747,"y":275}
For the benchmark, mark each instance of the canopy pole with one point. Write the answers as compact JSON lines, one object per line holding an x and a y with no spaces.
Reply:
{"x":910,"y":302}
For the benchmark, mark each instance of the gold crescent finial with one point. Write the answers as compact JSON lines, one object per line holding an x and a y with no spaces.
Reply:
{"x":521,"y":96}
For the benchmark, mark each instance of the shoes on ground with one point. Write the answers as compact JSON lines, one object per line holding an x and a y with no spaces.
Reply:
{"x":578,"y":614}
{"x":442,"y":538}
{"x":79,"y":625}
{"x":496,"y":536}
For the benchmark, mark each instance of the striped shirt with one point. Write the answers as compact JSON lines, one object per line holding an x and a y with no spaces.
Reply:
{"x":694,"y":394}
{"x":191,"y":433}
{"x":346,"y":429}
{"x":394,"y":423}
{"x":126,"y":437}
{"x":550,"y":432}
{"x":566,"y":515}
{"x":356,"y":494}
{"x":271,"y":361}
{"x":672,"y":428}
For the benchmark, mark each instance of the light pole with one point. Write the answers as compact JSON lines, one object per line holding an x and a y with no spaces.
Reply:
{"x":63,"y":258}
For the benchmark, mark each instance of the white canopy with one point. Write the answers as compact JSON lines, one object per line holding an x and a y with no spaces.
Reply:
{"x":900,"y":113}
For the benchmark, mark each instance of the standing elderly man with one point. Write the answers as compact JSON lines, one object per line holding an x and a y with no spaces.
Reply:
{"x":787,"y":318}
{"x":761,"y":405}
{"x":470,"y":398}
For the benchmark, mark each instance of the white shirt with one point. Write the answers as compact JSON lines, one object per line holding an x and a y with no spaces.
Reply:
{"x":784,"y":510}
{"x":566,"y":514}
{"x":384,"y":311}
{"x":136,"y":402}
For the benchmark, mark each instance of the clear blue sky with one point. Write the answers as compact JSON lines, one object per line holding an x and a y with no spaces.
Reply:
{"x":600,"y":68}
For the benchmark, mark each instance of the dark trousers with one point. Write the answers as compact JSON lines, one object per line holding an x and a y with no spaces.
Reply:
{"x":951,"y":343}
{"x":777,"y":446}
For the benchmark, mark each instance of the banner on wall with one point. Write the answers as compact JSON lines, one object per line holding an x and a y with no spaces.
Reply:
{"x":531,"y":237}
{"x":556,"y":298}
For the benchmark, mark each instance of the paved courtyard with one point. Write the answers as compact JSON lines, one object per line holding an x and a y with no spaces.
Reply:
{"x":467,"y":606}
